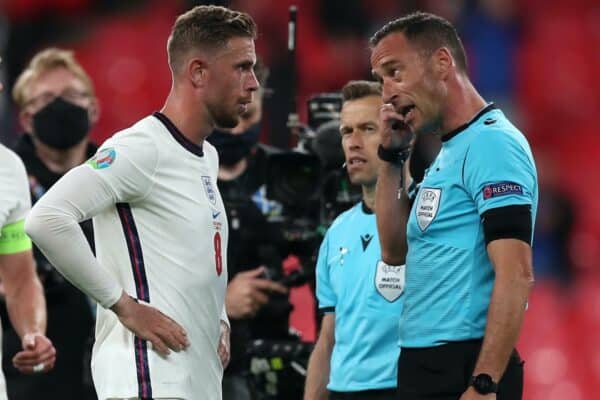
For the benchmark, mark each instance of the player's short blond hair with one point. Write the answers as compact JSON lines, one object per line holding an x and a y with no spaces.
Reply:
{"x":44,"y":61}
{"x":206,"y":27}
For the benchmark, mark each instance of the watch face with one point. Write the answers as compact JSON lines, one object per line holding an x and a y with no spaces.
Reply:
{"x":483,"y":383}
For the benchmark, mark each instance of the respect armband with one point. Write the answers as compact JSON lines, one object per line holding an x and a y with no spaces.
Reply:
{"x":397,"y":156}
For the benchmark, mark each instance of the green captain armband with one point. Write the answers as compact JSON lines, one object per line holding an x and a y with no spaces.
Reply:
{"x":13,"y":238}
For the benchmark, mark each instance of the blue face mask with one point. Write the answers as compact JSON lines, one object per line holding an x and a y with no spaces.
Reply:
{"x":232,"y":148}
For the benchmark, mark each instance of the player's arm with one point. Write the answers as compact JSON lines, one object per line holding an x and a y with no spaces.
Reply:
{"x":317,"y":375}
{"x":224,"y":347}
{"x":23,"y":292}
{"x":54,"y":226}
{"x":391,"y":202}
{"x":25,"y":300}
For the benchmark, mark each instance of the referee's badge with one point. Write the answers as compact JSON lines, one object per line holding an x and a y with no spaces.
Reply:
{"x":389,"y":280}
{"x":428,"y":203}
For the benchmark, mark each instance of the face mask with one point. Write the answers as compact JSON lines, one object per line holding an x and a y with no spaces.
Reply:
{"x":61,"y":124}
{"x":232,"y":148}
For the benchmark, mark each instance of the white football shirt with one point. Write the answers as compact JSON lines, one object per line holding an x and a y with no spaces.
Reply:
{"x":161,"y":235}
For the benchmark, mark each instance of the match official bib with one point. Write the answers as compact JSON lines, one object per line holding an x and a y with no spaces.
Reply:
{"x":389,"y":280}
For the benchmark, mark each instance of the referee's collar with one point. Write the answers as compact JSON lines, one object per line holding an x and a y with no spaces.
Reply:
{"x":178,"y":136}
{"x":365,"y":208}
{"x":464,"y":126}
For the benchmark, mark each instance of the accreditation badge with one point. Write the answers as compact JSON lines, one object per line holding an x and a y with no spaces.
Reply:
{"x":428,"y":203}
{"x":389,"y":280}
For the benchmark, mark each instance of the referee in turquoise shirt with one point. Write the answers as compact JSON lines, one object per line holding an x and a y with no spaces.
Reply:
{"x":356,"y":354}
{"x":466,"y":239}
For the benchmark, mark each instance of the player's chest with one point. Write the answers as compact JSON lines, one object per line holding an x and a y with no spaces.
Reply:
{"x":188,"y":198}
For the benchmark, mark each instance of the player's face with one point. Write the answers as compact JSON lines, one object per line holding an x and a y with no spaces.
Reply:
{"x":232,"y":82}
{"x":360,"y":132}
{"x":408,"y":82}
{"x":57,"y":82}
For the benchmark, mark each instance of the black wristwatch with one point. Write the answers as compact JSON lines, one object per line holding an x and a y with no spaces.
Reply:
{"x":483,"y":384}
{"x":396,"y":156}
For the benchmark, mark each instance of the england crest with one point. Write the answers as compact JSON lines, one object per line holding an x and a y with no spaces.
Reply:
{"x":210,"y":191}
{"x":428,"y":203}
{"x":389,"y":280}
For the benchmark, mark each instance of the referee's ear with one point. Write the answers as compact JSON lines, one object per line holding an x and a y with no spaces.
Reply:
{"x":443,"y":62}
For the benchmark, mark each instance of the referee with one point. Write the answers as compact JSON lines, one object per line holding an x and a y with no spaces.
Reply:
{"x":361,"y":297}
{"x":467,"y":238}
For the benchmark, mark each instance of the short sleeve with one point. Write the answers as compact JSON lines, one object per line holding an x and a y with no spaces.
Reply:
{"x":15,"y":200}
{"x":325,"y":294}
{"x":127,"y":163}
{"x":499,"y":171}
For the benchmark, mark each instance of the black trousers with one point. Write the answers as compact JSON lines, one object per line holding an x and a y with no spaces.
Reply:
{"x":384,"y":394}
{"x":443,"y":372}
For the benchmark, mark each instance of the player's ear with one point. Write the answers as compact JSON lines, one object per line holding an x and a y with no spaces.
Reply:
{"x":197,"y":71}
{"x":443,"y":62}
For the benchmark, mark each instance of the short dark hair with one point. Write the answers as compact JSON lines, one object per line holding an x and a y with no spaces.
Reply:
{"x":355,"y":90}
{"x":428,"y":31}
{"x":207,"y":27}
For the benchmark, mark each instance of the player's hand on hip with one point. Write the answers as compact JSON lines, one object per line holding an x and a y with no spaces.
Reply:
{"x":38,"y":354}
{"x":148,"y":323}
{"x":224,"y":347}
{"x":394,"y":133}
{"x":248,"y":292}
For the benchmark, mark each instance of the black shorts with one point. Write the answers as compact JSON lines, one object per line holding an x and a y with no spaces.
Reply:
{"x":443,"y":372}
{"x":383,"y":394}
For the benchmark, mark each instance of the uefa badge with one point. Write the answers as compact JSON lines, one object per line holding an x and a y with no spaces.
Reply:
{"x":428,"y":203}
{"x":103,"y":159}
{"x":209,"y":190}
{"x":389,"y":280}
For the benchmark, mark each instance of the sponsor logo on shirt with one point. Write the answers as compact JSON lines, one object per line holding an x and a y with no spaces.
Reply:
{"x":209,"y":189}
{"x":366,"y":239}
{"x":216,"y":223}
{"x":501,"y":189}
{"x":103,"y":159}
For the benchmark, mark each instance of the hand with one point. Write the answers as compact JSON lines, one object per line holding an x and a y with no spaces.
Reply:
{"x":471,"y":394}
{"x":395,"y":132}
{"x":224,"y":349}
{"x":246,"y":293}
{"x":38,"y":354}
{"x":150,"y":324}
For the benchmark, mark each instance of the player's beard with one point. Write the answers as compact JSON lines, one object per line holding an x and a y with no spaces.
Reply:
{"x":222,"y":118}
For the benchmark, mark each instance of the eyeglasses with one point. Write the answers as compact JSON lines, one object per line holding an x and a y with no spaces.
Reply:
{"x":71,"y":95}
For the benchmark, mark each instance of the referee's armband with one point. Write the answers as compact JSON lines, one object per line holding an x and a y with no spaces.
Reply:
{"x":509,"y":222}
{"x":13,"y":238}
